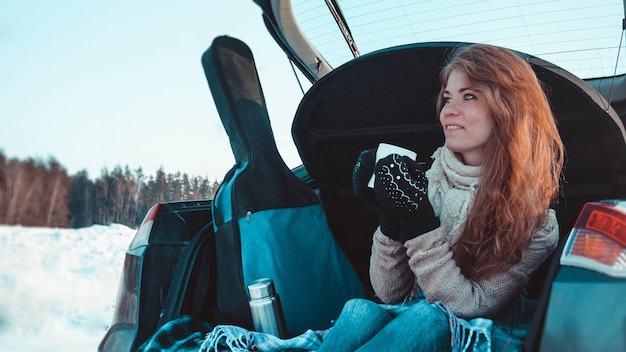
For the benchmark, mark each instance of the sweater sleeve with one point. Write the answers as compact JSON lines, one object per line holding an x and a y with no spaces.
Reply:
{"x":390,"y":274}
{"x":441,"y":279}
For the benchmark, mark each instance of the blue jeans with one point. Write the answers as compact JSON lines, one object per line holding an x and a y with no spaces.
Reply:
{"x":511,"y":326}
{"x":367,"y":326}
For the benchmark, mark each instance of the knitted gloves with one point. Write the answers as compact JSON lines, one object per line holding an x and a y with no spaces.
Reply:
{"x":401,"y":188}
{"x":363,"y":170}
{"x":399,"y":194}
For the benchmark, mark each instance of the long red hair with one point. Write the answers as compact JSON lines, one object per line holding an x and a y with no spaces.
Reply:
{"x":522,"y":165}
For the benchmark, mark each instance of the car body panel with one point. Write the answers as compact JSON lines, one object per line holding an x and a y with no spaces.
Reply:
{"x":586,"y":312}
{"x":148,"y":271}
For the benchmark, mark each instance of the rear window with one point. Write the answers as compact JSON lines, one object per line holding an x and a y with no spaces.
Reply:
{"x":582,"y":37}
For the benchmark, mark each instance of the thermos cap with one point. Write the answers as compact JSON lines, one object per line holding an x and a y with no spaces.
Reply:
{"x":261,"y":288}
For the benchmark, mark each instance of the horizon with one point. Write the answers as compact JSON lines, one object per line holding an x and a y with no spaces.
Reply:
{"x":47,"y":159}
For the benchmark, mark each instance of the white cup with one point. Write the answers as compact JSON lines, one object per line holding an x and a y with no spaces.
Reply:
{"x":385,"y":150}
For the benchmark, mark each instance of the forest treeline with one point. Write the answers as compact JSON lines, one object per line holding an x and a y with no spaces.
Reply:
{"x":41,"y":193}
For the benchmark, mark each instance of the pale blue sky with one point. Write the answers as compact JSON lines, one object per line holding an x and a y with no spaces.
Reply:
{"x":100,"y":84}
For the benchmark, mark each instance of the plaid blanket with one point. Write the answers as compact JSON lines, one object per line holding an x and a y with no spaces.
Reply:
{"x":181,"y":335}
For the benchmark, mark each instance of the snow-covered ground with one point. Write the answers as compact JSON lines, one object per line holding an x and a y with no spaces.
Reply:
{"x":58,"y":286}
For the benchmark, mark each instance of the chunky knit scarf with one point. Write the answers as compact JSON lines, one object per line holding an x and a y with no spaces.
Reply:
{"x":451,"y":189}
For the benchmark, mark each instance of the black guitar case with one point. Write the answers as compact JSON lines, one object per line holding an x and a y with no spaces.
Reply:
{"x":268,"y":222}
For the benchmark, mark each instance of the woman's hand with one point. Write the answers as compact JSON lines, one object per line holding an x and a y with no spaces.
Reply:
{"x":363,"y":170}
{"x":401,"y":189}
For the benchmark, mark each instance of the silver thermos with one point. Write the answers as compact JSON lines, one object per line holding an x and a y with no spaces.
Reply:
{"x":267,"y":313}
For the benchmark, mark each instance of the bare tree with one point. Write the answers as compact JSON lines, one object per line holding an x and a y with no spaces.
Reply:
{"x":3,"y":186}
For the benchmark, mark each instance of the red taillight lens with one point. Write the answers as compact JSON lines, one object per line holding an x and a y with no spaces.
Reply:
{"x":143,"y":234}
{"x":121,"y":335}
{"x":598,"y":239}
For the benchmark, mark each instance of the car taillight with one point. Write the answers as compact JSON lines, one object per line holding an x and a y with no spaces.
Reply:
{"x":598,"y":239}
{"x":121,"y":334}
{"x":143,"y":234}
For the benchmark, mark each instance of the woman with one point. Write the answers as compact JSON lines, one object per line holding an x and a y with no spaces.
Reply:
{"x":457,"y":244}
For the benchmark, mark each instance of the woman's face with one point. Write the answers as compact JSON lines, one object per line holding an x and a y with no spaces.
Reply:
{"x":466,"y":118}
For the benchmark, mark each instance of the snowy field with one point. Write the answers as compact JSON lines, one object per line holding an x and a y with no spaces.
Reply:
{"x":58,"y":286}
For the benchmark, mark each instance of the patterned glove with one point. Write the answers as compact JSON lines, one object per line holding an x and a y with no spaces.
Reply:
{"x":401,"y":189}
{"x":363,"y":169}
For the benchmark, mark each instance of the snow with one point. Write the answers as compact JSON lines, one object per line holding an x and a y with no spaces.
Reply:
{"x":58,"y":286}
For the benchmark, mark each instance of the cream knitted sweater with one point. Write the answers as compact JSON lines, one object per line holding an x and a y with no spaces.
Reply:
{"x":425,"y":263}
